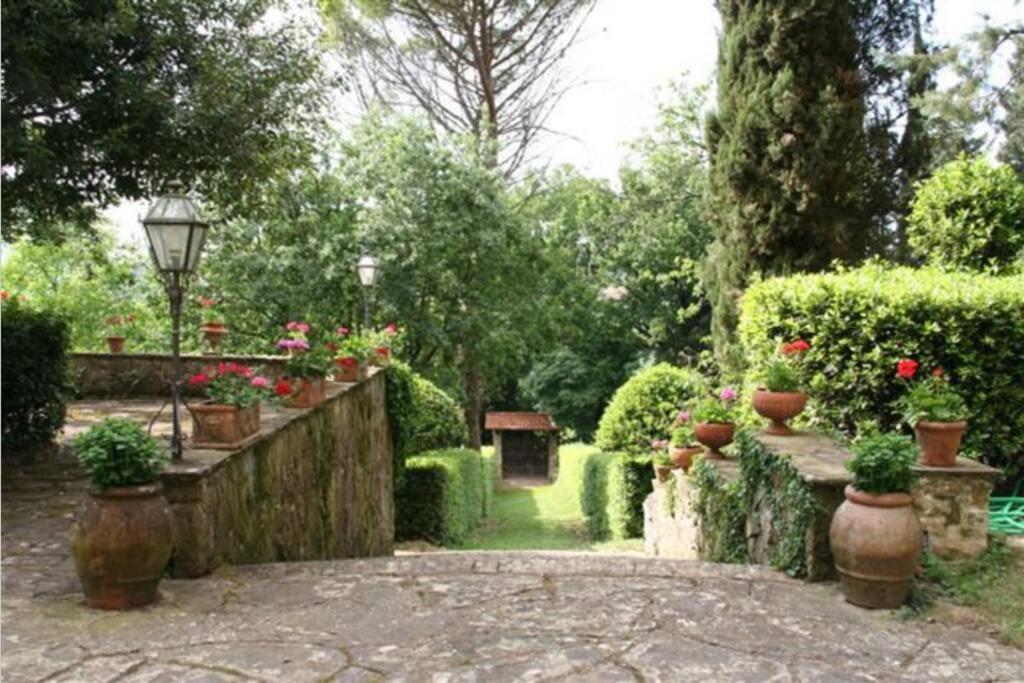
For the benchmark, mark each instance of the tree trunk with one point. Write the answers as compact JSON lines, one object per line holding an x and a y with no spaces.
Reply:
{"x":474,"y":407}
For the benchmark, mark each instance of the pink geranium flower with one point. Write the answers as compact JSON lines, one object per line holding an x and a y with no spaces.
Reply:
{"x":343,"y":331}
{"x":259,"y":382}
{"x":391,"y":328}
{"x":728,"y":394}
{"x":683,"y":416}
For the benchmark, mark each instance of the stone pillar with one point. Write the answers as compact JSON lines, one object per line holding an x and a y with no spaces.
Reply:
{"x":552,"y":456}
{"x":952,"y":504}
{"x":670,"y":530}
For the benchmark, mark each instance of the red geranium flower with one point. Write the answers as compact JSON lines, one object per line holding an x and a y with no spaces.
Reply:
{"x":797,"y":346}
{"x":348,"y":361}
{"x":198,"y":379}
{"x":283,"y":388}
{"x":906,"y":368}
{"x":938,"y":372}
{"x":4,"y":294}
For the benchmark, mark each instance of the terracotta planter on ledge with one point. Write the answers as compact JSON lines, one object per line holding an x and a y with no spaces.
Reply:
{"x":381,"y":357}
{"x":349,"y":370}
{"x":311,"y":392}
{"x":121,"y":544}
{"x":214,"y":333}
{"x":116,"y":344}
{"x":876,"y":543}
{"x":939,"y":442}
{"x":223,"y":427}
{"x":779,"y":406}
{"x":714,"y":435}
{"x":662,"y":472}
{"x":683,"y":456}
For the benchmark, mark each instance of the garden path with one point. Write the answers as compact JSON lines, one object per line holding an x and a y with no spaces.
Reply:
{"x":486,"y":616}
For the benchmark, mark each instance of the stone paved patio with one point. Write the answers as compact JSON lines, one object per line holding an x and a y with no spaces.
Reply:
{"x":452,"y":617}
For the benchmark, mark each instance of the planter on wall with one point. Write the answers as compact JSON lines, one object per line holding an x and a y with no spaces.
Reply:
{"x":311,"y":392}
{"x":779,"y":406}
{"x":683,"y":456}
{"x":381,"y":357}
{"x":121,"y":544}
{"x":222,"y":426}
{"x":714,"y":435}
{"x":662,"y":472}
{"x":214,"y":333}
{"x":876,"y":543}
{"x":349,"y":369}
{"x":939,"y":442}
{"x":115,"y":343}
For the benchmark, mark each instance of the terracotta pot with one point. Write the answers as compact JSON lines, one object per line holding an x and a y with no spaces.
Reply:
{"x":349,"y":370}
{"x":939,"y":442}
{"x":121,"y":544}
{"x":662,"y":472}
{"x":779,"y":406}
{"x":714,"y":435}
{"x":683,"y":456}
{"x":223,"y":427}
{"x":116,"y":344}
{"x":214,"y":333}
{"x":876,"y":543}
{"x":381,"y":357}
{"x":310,"y":393}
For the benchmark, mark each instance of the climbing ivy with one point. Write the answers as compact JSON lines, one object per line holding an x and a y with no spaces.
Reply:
{"x":721,"y":512}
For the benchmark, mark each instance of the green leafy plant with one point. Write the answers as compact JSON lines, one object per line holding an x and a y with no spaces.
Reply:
{"x":662,"y":458}
{"x":682,"y":430}
{"x":306,"y":360}
{"x":119,"y":324}
{"x":232,"y":384}
{"x":883,"y":463}
{"x":931,"y":399}
{"x":352,"y":345}
{"x":720,"y":408}
{"x":782,"y":372}
{"x":118,"y":452}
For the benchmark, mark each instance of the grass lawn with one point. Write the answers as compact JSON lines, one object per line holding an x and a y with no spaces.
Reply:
{"x":544,"y":517}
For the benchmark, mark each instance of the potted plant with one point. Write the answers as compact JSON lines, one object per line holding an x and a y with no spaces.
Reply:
{"x":212,"y":327}
{"x":351,"y":353}
{"x":306,"y":367}
{"x":682,"y":444}
{"x":117,"y":325}
{"x":381,"y":344}
{"x":935,"y":411}
{"x":231,"y":413}
{"x":715,"y":421}
{"x":122,"y":539}
{"x":662,"y":463}
{"x":875,"y":534}
{"x":779,"y":397}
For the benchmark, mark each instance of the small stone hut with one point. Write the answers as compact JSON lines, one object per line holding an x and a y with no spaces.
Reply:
{"x":525,"y":444}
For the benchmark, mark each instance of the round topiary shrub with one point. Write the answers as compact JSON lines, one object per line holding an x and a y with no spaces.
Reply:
{"x":437,"y":421}
{"x":968,"y":215}
{"x":644,"y":408}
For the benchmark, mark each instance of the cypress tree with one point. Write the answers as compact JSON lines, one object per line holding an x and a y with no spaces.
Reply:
{"x":788,"y":150}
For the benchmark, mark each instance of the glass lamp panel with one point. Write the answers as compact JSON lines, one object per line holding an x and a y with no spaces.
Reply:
{"x":169,"y":241}
{"x":368,"y":271}
{"x":198,"y":238}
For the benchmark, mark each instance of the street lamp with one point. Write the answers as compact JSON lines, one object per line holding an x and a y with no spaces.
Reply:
{"x":176,"y":233}
{"x":368,"y":269}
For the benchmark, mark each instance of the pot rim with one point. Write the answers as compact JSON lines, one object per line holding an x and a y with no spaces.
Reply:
{"x":116,"y":336}
{"x":941,"y":426}
{"x":691,"y":447}
{"x":715,"y":424}
{"x":148,"y":490}
{"x":878,"y":500}
{"x":762,"y":390}
{"x":209,"y":406}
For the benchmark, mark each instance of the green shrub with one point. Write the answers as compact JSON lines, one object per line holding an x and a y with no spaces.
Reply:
{"x":437,"y":419}
{"x":594,"y":496}
{"x":860,"y":323}
{"x":629,"y":483}
{"x":644,"y":408}
{"x":33,"y":376}
{"x":720,"y":508}
{"x":118,"y":452}
{"x":883,"y":463}
{"x":401,"y":409}
{"x":969,"y":214}
{"x":442,"y":497}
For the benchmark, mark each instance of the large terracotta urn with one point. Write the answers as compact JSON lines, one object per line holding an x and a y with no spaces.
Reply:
{"x":714,"y":435}
{"x":939,"y":442}
{"x":876,"y":543}
{"x":682,"y":456}
{"x":779,"y":406}
{"x":121,"y":544}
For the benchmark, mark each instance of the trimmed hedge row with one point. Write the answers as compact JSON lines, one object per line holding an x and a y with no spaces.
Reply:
{"x":34,"y":370}
{"x":443,"y":496}
{"x":861,"y":322}
{"x":612,"y":494}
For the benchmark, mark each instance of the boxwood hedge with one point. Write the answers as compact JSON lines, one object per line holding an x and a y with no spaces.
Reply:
{"x":443,"y":496}
{"x":861,"y":322}
{"x":612,"y":494}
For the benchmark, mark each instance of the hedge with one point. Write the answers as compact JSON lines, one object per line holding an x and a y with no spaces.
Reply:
{"x":861,"y":322}
{"x":442,"y":497}
{"x":615,"y":486}
{"x":644,"y":408}
{"x":34,"y":381}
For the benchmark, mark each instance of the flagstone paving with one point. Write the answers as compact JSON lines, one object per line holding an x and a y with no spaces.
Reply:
{"x":473,"y":616}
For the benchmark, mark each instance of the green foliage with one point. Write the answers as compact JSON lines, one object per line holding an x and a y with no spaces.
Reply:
{"x":934,"y":400}
{"x":437,"y":420}
{"x":442,"y":497}
{"x":682,"y":433}
{"x":400,"y":405}
{"x":231,"y":384}
{"x":594,"y":496}
{"x":720,"y":509}
{"x":645,"y":408}
{"x":105,"y":100}
{"x":969,"y":215}
{"x":118,"y":452}
{"x":787,"y":146}
{"x":719,"y":408}
{"x":34,"y":375}
{"x":629,"y":484}
{"x":861,"y":323}
{"x":313,"y":364}
{"x":883,"y":463}
{"x":780,"y":375}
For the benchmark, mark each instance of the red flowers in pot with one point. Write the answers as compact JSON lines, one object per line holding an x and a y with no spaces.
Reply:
{"x":231,"y":413}
{"x":936,"y":412}
{"x":779,"y":398}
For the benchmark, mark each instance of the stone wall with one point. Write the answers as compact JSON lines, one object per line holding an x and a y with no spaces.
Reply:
{"x":670,"y":529}
{"x":316,"y":484}
{"x":952,"y":504}
{"x":126,"y":375}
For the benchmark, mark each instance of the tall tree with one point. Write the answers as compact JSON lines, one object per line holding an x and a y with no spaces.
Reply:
{"x":490,"y":69}
{"x":108,"y":99}
{"x":787,"y":147}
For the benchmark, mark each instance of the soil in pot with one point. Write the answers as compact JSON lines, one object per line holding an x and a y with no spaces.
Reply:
{"x":310,"y":393}
{"x":779,"y":406}
{"x":876,"y":543}
{"x":939,"y":442}
{"x":683,"y":456}
{"x":115,"y":344}
{"x":121,"y":544}
{"x":716,"y":436}
{"x":223,"y":427}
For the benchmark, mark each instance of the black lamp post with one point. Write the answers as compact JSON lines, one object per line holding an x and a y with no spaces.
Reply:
{"x":176,"y":233}
{"x":368,"y":269}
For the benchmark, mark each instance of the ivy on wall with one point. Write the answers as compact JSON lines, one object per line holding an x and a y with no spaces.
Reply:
{"x":721,"y":512}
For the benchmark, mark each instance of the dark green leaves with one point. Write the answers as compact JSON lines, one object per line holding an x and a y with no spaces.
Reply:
{"x":882,"y":463}
{"x":118,"y":452}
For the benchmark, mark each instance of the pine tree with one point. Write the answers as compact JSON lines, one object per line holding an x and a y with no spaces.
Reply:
{"x":788,"y":150}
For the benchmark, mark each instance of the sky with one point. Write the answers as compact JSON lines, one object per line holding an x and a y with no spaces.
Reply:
{"x":628,"y":50}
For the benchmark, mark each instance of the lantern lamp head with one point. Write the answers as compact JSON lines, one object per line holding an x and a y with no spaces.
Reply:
{"x":175,"y":230}
{"x":369,"y":270}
